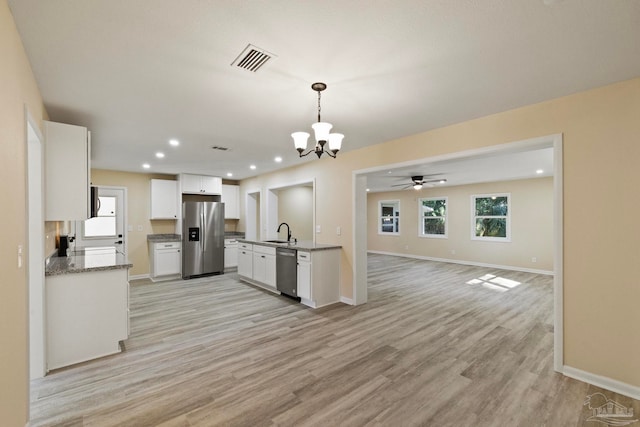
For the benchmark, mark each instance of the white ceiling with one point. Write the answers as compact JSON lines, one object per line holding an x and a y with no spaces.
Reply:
{"x":138,"y":73}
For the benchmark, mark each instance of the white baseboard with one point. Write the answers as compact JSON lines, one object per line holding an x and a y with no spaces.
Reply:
{"x":463,"y":262}
{"x":138,"y":276}
{"x":602,"y":382}
{"x":346,"y":300}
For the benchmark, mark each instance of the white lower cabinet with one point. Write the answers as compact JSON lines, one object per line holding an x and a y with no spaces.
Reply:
{"x":245,"y":260}
{"x":319,"y":277}
{"x":264,"y":265}
{"x":230,"y":253}
{"x":304,"y":275}
{"x":165,"y":259}
{"x":257,"y":265}
{"x":87,"y":316}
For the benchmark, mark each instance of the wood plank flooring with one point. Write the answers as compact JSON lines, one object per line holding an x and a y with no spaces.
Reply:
{"x":436,"y":345}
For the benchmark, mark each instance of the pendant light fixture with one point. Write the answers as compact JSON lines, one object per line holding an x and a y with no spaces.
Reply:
{"x":321,"y":130}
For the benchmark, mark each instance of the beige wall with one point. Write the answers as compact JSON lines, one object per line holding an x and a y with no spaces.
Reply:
{"x":600,"y":131}
{"x":17,"y":89}
{"x":138,"y":205}
{"x":295,"y":207}
{"x":531,"y":206}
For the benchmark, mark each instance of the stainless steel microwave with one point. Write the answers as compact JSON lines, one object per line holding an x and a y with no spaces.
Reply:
{"x":94,"y":202}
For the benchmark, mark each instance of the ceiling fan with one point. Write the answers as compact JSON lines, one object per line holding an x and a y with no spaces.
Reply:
{"x":417,"y":181}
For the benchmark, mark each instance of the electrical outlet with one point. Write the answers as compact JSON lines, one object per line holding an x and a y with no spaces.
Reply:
{"x":534,"y":259}
{"x":130,"y":228}
{"x":140,"y":228}
{"x":338,"y":230}
{"x":318,"y":229}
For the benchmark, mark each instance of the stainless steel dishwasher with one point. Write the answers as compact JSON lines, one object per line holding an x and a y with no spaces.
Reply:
{"x":287,"y":271}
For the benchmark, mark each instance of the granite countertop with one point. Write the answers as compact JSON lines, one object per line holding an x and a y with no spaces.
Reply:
{"x":231,"y":234}
{"x":86,"y":260}
{"x":303,"y":245}
{"x":160,"y":238}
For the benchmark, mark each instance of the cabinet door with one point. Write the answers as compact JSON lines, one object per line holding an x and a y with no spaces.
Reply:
{"x":230,"y":255}
{"x":270,"y":271}
{"x":167,"y":262}
{"x":211,"y":184}
{"x":260,"y":267}
{"x":245,"y":263}
{"x":164,"y":199}
{"x":67,"y":171}
{"x":231,"y":198}
{"x":304,"y":280}
{"x":190,"y":183}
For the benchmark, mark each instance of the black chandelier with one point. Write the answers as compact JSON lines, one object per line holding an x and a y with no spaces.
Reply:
{"x":321,"y":130}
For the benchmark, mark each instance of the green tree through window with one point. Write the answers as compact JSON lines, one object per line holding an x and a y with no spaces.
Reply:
{"x":433,"y":217}
{"x":491,"y":217}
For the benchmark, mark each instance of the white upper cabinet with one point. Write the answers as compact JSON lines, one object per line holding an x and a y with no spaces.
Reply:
{"x":231,"y":199}
{"x":67,"y":172}
{"x":164,"y":199}
{"x":200,"y":184}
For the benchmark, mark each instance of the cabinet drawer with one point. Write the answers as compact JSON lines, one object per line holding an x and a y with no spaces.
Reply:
{"x":167,"y":245}
{"x":304,"y":256}
{"x":246,"y":246}
{"x":267,"y":250}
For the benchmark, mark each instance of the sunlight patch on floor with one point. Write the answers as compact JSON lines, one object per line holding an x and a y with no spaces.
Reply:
{"x":495,"y":283}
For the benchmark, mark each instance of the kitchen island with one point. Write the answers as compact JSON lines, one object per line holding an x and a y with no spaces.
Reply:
{"x":87,"y":305}
{"x":318,"y":268}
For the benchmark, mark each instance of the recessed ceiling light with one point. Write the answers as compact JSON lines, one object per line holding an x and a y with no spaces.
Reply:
{"x":252,"y":167}
{"x":278,"y":159}
{"x":368,"y":189}
{"x":229,"y":174}
{"x":174,"y":142}
{"x":442,"y":181}
{"x":160,"y":155}
{"x":146,"y":165}
{"x":539,"y":171}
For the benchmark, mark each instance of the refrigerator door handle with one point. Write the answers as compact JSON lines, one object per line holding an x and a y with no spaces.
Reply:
{"x":204,"y":231}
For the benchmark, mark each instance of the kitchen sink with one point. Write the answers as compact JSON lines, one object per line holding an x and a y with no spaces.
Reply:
{"x":275,"y":241}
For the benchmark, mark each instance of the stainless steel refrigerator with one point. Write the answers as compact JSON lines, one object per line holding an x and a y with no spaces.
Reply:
{"x":202,"y":238}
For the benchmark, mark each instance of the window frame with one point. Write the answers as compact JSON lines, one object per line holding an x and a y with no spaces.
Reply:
{"x":507,"y":218}
{"x":421,"y":218}
{"x":396,"y":216}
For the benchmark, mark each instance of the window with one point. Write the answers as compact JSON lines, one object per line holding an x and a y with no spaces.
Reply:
{"x":389,"y":217}
{"x":490,"y":216}
{"x":433,"y":217}
{"x":104,"y":225}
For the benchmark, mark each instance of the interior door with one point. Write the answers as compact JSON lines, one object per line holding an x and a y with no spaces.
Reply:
{"x":107,"y":229}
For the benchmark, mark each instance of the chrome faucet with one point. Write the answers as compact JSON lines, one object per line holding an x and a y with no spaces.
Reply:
{"x":288,"y":231}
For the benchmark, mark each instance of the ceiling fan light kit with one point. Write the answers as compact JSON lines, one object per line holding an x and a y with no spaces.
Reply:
{"x":322,"y":134}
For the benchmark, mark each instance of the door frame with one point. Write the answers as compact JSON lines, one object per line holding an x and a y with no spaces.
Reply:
{"x":35,"y":248}
{"x":125,"y":228}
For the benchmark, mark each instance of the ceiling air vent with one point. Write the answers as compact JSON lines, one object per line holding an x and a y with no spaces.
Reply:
{"x":252,"y":58}
{"x":219,"y":148}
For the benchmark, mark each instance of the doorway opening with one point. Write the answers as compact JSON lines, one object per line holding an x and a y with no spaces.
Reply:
{"x":359,"y":198}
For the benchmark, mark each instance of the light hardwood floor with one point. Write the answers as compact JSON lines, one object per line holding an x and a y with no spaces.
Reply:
{"x":436,"y":345}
